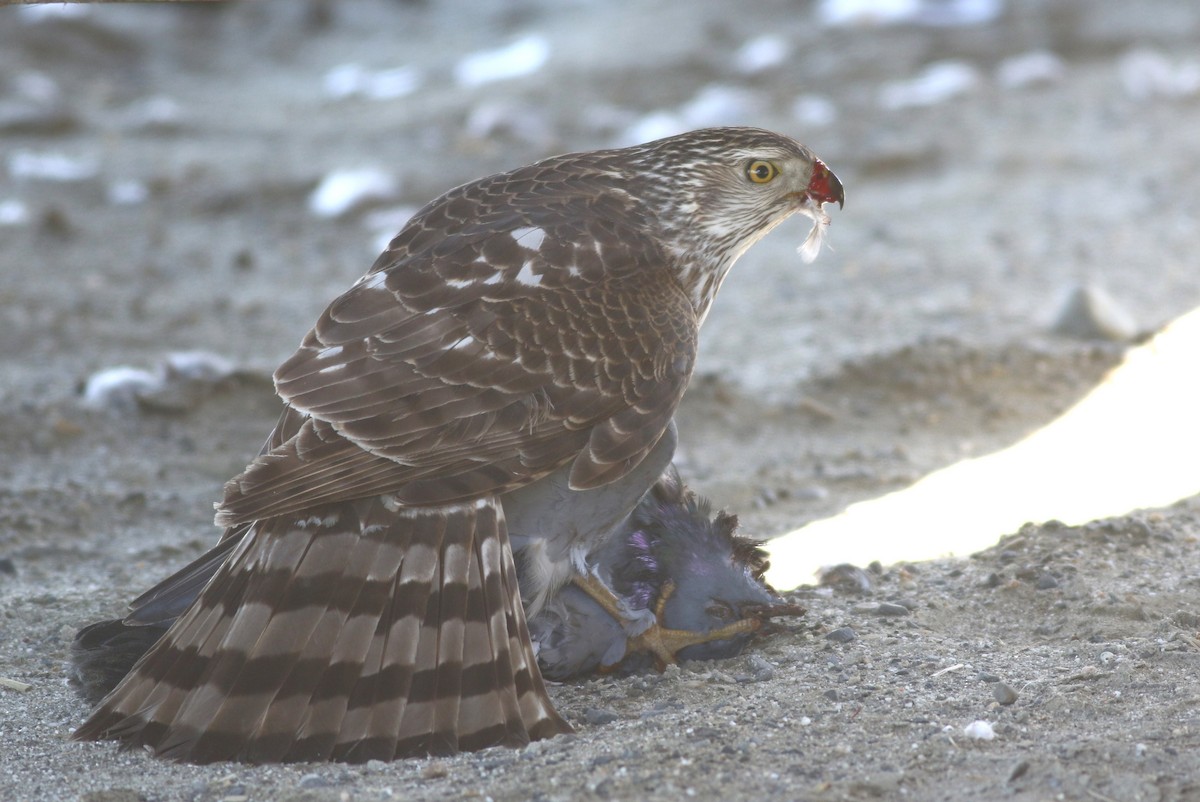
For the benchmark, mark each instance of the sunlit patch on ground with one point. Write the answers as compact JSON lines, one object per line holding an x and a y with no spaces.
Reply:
{"x":1133,"y":442}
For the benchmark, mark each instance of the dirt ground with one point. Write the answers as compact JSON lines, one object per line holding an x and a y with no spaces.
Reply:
{"x":156,"y":167}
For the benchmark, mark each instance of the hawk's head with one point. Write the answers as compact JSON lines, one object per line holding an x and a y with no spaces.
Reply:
{"x":720,"y":190}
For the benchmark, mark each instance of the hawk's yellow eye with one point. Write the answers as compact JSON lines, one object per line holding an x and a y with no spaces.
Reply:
{"x":760,"y":172}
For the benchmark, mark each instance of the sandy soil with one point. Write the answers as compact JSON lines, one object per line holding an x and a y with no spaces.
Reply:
{"x":193,"y":137}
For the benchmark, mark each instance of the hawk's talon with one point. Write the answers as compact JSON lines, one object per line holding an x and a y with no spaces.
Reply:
{"x":662,"y":642}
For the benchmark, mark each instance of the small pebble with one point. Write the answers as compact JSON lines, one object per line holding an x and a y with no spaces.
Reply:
{"x":523,"y":57}
{"x":847,"y":578}
{"x":1090,"y":313}
{"x":762,"y":53}
{"x":979,"y":730}
{"x":7,"y":566}
{"x":51,"y":166}
{"x":762,"y":668}
{"x":1036,"y":68}
{"x":342,"y":192}
{"x":814,"y":111}
{"x":157,"y":114}
{"x":13,"y":212}
{"x":841,"y":635}
{"x":937,"y":83}
{"x":891,"y":609}
{"x":127,"y":192}
{"x":178,"y":383}
{"x":599,"y":716}
{"x":314,"y":781}
{"x":1003,"y":693}
{"x":1148,"y":73}
{"x":1046,"y":582}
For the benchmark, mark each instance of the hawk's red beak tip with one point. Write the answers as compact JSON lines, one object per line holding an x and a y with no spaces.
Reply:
{"x":824,"y":186}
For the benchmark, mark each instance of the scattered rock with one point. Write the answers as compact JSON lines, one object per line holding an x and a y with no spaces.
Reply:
{"x":127,"y":192}
{"x":599,"y":716}
{"x":761,"y":668}
{"x":177,"y":384}
{"x":343,"y":192}
{"x":158,"y":114}
{"x":315,"y":781}
{"x":1036,"y":68}
{"x":523,"y":57}
{"x":934,"y":13}
{"x":118,"y":388}
{"x":979,"y":730}
{"x":1046,"y":582}
{"x":1148,"y":74}
{"x":847,"y":578}
{"x":841,"y":635}
{"x":1090,"y":313}
{"x":1003,"y":693}
{"x":13,"y":212}
{"x":814,"y":111}
{"x":515,"y":120}
{"x":713,"y":105}
{"x":761,"y":53}
{"x":936,"y":84}
{"x":51,"y":166}
{"x":892,"y":609}
{"x":354,"y":80}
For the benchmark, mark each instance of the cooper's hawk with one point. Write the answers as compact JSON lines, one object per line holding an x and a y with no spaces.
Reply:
{"x":508,"y":368}
{"x":684,"y":586}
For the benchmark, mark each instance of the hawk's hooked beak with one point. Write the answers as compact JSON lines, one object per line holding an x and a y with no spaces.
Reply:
{"x":824,"y":186}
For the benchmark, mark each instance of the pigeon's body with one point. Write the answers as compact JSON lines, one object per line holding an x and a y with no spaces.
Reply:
{"x":510,"y":366}
{"x":673,"y":565}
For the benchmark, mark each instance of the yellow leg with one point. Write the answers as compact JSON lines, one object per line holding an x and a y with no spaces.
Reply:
{"x":662,"y":642}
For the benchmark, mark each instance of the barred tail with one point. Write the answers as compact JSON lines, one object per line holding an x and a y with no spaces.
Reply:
{"x":361,"y":630}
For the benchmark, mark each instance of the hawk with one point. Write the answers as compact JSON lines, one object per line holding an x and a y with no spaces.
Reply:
{"x":503,"y":378}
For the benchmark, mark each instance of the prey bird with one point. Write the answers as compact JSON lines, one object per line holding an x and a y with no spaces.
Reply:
{"x":679,"y":584}
{"x":503,"y":378}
